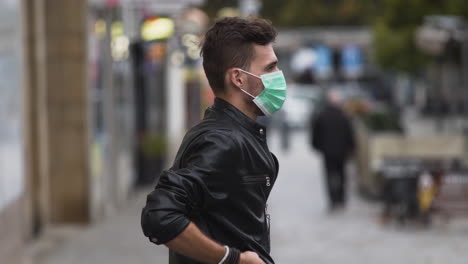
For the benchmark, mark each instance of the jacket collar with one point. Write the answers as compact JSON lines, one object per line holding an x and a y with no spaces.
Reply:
{"x":241,"y":118}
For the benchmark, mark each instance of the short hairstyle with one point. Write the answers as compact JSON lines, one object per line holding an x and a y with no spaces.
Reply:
{"x":229,"y":43}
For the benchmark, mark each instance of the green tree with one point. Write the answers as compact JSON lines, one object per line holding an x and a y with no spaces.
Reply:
{"x":394,"y":30}
{"x":211,"y":7}
{"x":317,"y":12}
{"x":306,"y":12}
{"x":393,"y":21}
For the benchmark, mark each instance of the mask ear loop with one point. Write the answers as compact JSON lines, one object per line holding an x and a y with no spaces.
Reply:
{"x":247,"y":93}
{"x":251,"y":75}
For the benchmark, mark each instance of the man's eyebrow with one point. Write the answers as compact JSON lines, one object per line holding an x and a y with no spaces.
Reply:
{"x":271,"y":64}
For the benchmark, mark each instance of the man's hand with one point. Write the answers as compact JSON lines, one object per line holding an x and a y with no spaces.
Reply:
{"x":250,"y":257}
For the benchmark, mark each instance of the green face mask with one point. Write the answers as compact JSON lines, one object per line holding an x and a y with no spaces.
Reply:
{"x":273,"y":96}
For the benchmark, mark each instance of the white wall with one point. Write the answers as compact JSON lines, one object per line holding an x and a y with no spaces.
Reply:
{"x":11,"y":138}
{"x":175,"y":104}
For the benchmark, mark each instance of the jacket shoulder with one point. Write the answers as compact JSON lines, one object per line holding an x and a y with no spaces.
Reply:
{"x":206,"y":137}
{"x":209,"y":128}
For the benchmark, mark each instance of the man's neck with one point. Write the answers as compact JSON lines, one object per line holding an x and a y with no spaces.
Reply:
{"x":247,"y":109}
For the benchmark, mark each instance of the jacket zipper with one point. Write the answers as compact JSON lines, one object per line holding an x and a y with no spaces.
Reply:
{"x":258,"y":179}
{"x":267,"y":226}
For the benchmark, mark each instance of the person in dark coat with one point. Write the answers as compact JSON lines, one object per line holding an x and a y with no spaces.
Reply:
{"x":333,"y":136}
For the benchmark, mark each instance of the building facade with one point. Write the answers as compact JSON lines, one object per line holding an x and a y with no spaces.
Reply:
{"x":68,"y":110}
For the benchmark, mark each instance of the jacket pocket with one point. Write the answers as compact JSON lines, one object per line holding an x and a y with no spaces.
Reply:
{"x":255,"y":179}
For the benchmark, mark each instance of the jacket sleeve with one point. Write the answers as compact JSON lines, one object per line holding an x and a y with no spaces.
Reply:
{"x":201,"y":180}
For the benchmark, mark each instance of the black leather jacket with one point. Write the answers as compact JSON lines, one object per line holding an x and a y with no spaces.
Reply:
{"x":221,"y":179}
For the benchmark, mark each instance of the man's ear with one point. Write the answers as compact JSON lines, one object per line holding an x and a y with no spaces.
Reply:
{"x":236,"y":78}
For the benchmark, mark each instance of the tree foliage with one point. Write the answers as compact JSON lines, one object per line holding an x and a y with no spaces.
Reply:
{"x":394,"y":30}
{"x":393,"y":21}
{"x":318,"y":12}
{"x":293,"y":13}
{"x":211,"y":7}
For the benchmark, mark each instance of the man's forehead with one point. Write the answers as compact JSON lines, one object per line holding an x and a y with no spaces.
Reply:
{"x":264,"y":54}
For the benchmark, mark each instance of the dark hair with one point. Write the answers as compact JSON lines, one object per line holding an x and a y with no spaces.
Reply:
{"x":229,"y":43}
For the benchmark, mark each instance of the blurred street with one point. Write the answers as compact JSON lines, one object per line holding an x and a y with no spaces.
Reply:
{"x":305,"y":232}
{"x":97,"y":96}
{"x":302,"y":230}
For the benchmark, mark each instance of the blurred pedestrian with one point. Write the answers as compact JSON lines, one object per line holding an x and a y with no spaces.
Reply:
{"x":284,"y":130}
{"x":210,"y":206}
{"x":285,"y":136}
{"x":333,"y":136}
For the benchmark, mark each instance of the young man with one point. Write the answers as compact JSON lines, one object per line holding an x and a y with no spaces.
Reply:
{"x":210,"y":206}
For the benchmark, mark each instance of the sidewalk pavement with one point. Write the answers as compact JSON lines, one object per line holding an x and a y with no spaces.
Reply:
{"x":302,"y":230}
{"x":304,"y":233}
{"x":116,"y":240}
